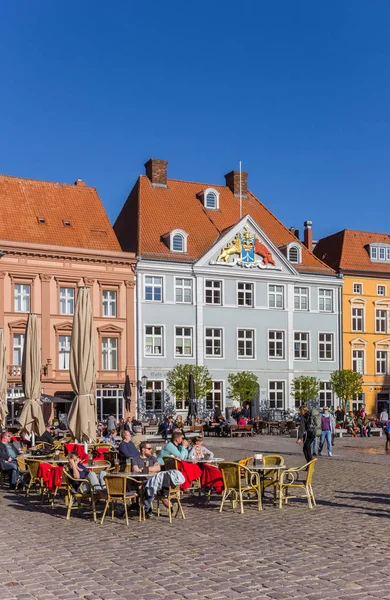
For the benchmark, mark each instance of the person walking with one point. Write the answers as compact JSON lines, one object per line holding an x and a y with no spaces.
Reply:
{"x":328,"y":427}
{"x":306,"y":432}
{"x":316,"y":416}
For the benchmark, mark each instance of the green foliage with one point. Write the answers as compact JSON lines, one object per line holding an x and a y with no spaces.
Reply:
{"x":243,"y":386}
{"x":305,"y":388}
{"x":177,"y":379}
{"x":347,"y":384}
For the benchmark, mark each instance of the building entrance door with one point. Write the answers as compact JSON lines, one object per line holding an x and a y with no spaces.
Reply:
{"x":382,"y":403}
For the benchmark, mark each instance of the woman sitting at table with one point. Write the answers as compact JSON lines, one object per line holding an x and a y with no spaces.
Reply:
{"x":80,"y":471}
{"x":179,"y":423}
{"x":198,"y":451}
{"x":110,"y":437}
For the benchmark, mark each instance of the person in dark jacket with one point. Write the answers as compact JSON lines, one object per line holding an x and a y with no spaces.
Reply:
{"x":166,"y":427}
{"x":46,"y":436}
{"x":305,"y":435}
{"x":8,"y":454}
{"x":246,"y":411}
{"x":126,"y":448}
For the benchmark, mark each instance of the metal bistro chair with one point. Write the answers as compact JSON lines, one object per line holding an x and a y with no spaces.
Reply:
{"x":171,"y":462}
{"x":117,"y":492}
{"x":236,"y":487}
{"x":271,"y":477}
{"x":174,"y":493}
{"x":23,"y":471}
{"x":289,"y":480}
{"x":32,"y":467}
{"x":75,"y":496}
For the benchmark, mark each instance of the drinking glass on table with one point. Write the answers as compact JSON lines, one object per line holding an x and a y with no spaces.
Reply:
{"x":116,"y":465}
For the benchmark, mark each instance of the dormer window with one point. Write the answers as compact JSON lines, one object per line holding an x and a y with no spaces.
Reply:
{"x":294,"y":253}
{"x":178,"y":243}
{"x":210,"y":198}
{"x":379,"y":252}
{"x":176,"y":240}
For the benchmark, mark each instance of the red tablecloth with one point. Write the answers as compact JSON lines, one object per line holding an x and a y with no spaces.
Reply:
{"x":79,"y":448}
{"x":212,"y":477}
{"x":100,"y":452}
{"x":51,"y":475}
{"x":190,"y":471}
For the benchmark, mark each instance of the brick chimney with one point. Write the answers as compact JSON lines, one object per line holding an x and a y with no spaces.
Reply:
{"x":156,"y":171}
{"x":233,"y":182}
{"x":308,"y":235}
{"x":80,"y":183}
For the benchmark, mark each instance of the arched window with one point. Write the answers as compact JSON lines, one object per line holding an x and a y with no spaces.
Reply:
{"x":177,"y":243}
{"x":293,"y":254}
{"x":211,"y":200}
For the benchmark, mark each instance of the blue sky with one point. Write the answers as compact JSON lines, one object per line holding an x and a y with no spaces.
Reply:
{"x":299,"y":91}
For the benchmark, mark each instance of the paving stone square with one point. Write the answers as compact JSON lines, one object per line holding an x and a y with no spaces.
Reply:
{"x":340,"y":549}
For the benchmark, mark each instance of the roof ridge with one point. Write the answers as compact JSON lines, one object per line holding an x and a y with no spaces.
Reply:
{"x":193,"y":182}
{"x":72,"y":185}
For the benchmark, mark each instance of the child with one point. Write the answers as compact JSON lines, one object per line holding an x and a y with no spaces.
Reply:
{"x":198,"y":451}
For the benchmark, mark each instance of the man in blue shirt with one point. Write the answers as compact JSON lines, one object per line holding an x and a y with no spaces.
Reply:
{"x":8,"y":454}
{"x":126,"y":448}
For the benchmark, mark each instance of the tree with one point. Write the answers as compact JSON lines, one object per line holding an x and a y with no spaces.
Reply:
{"x":305,"y":388}
{"x":347,"y":384}
{"x":243,"y":386}
{"x":177,"y":379}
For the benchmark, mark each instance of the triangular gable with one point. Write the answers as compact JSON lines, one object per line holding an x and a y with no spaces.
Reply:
{"x":19,"y":324}
{"x":64,"y":326}
{"x":246,"y":246}
{"x":109,"y":329}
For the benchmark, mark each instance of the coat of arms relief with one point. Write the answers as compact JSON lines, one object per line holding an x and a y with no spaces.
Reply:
{"x":244,"y":251}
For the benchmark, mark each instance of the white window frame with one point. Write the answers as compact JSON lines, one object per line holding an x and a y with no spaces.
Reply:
{"x":17,"y":347}
{"x":323,"y":297}
{"x":357,"y":288}
{"x":110,"y":350}
{"x":275,"y":390}
{"x":384,"y":290}
{"x":64,"y":352}
{"x":203,"y":195}
{"x":151,"y":389}
{"x":109,"y":303}
{"x":154,"y":285}
{"x":382,"y":360}
{"x":183,"y":235}
{"x":357,"y":318}
{"x":211,"y":401}
{"x":22,"y":297}
{"x":183,"y":288}
{"x":154,"y":335}
{"x":297,"y":248}
{"x":302,"y":343}
{"x":381,"y":320}
{"x":326,"y":394}
{"x":358,"y":359}
{"x":275,"y":294}
{"x":298,"y":295}
{"x":67,"y":300}
{"x":213,"y":289}
{"x":213,"y":337}
{"x":251,"y":340}
{"x":275,"y":341}
{"x":248,"y":289}
{"x":182,"y":337}
{"x":327,"y":333}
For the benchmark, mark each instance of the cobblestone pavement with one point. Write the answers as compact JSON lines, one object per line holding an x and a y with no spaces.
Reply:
{"x":338,"y":550}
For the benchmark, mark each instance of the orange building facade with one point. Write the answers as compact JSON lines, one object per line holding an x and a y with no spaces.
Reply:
{"x":63,"y":240}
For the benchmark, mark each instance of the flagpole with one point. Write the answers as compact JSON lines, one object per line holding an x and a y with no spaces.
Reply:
{"x":240,"y":195}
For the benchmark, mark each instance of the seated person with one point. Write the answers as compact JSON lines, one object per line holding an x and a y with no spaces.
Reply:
{"x":364,"y":425}
{"x":46,"y":437}
{"x":166,"y":427}
{"x":340,"y":416}
{"x":25,"y":438}
{"x":198,"y":451}
{"x":110,"y":437}
{"x":176,"y":447}
{"x":138,"y":436}
{"x":79,"y":471}
{"x":146,"y":454}
{"x":127,"y":449}
{"x":350,"y":424}
{"x":8,"y":454}
{"x":242,"y":421}
{"x":179,"y":423}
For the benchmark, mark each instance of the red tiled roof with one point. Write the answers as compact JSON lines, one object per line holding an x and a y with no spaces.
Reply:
{"x":24,"y":201}
{"x":347,"y":250}
{"x":159,"y":210}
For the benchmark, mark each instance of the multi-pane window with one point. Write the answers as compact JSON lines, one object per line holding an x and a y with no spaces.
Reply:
{"x":358,"y":402}
{"x":301,"y":345}
{"x":183,"y":341}
{"x":246,"y":343}
{"x":276,"y":344}
{"x":109,"y":303}
{"x":276,"y":296}
{"x":22,"y":294}
{"x":154,"y":393}
{"x":154,"y":340}
{"x":63,"y":352}
{"x":153,"y":289}
{"x":244,"y":294}
{"x":66,"y":300}
{"x":380,"y":321}
{"x":213,"y":342}
{"x":358,"y":361}
{"x":109,"y":354}
{"x":214,"y":397}
{"x":276,"y":394}
{"x":326,"y":394}
{"x":357,"y":288}
{"x":213,"y":292}
{"x":18,"y":344}
{"x":357,"y":319}
{"x":325,"y":300}
{"x":301,"y":298}
{"x":381,"y":290}
{"x":381,"y":362}
{"x":183,"y":290}
{"x":325,"y":346}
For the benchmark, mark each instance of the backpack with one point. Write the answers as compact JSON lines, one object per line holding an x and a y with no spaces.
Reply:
{"x":311,"y":425}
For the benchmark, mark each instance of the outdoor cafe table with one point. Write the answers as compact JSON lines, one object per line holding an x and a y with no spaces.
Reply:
{"x":262,"y":468}
{"x":205,"y":461}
